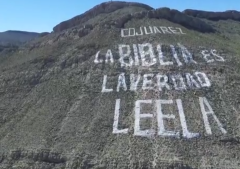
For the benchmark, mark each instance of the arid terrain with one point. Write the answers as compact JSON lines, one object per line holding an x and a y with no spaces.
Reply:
{"x":124,"y":86}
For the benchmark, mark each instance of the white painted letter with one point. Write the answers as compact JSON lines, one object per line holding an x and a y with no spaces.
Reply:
{"x":96,"y":58}
{"x":203,"y":79}
{"x":156,"y":30}
{"x":146,"y":32}
{"x":136,"y":57}
{"x":134,"y":83}
{"x":116,"y":117}
{"x":147,"y":83}
{"x":191,"y":81}
{"x":140,"y":34}
{"x":125,"y":55}
{"x":121,"y":82}
{"x":203,"y":101}
{"x":180,"y":30}
{"x":161,"y":116}
{"x":138,"y":116}
{"x":149,"y":52}
{"x":187,"y":56}
{"x":206,"y":55}
{"x":163,"y":83}
{"x":220,"y":58}
{"x":109,"y":56}
{"x":173,"y":31}
{"x":123,"y":34}
{"x":133,"y":32}
{"x":175,"y":55}
{"x":186,"y":133}
{"x":104,"y":85}
{"x":161,"y":57}
{"x":165,"y":29}
{"x":178,"y":82}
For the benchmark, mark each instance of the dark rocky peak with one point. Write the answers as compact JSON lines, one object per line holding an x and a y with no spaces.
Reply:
{"x":118,"y":21}
{"x":215,"y":16}
{"x":106,"y":7}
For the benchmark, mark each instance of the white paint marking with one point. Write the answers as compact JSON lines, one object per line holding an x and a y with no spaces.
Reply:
{"x":144,"y":53}
{"x":186,"y":133}
{"x":175,"y":55}
{"x":138,"y":116}
{"x":109,"y":56}
{"x":161,"y":56}
{"x":123,"y":32}
{"x":141,"y":32}
{"x":203,"y":101}
{"x":125,"y":55}
{"x":132,"y":32}
{"x":187,"y":56}
{"x":203,"y":79}
{"x":116,"y":120}
{"x":156,"y":30}
{"x":104,"y":89}
{"x":178,"y":82}
{"x":181,"y":31}
{"x":136,"y":56}
{"x":121,"y":82}
{"x":165,"y":29}
{"x":162,"y":84}
{"x":191,"y":81}
{"x":134,"y":82}
{"x":96,"y":58}
{"x":160,"y":117}
{"x":146,"y":31}
{"x":173,"y":31}
{"x":220,"y":58}
{"x":206,"y":56}
{"x":147,"y":82}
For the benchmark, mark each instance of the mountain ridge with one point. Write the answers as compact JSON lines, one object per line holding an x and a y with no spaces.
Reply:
{"x":129,"y":89}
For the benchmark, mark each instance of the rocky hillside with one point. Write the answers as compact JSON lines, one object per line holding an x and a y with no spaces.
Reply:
{"x":124,"y":86}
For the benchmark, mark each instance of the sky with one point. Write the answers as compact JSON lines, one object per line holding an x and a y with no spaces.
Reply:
{"x":43,"y":15}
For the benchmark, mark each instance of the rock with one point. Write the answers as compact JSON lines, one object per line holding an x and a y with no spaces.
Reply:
{"x":106,"y":7}
{"x":120,"y":22}
{"x":171,"y":15}
{"x":83,"y":32}
{"x":215,"y":16}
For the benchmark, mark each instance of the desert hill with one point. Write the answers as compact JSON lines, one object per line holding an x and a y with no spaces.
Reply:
{"x":124,"y":86}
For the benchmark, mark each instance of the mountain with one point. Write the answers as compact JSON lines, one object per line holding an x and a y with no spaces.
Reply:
{"x":16,"y":37}
{"x":124,"y":86}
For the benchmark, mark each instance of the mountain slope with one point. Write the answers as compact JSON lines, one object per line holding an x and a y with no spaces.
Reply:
{"x":123,"y":89}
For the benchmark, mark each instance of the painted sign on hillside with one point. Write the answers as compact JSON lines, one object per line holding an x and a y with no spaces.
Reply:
{"x":147,"y":56}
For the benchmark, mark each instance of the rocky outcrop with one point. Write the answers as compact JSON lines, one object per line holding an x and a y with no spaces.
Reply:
{"x":215,"y":16}
{"x":106,"y":7}
{"x":168,"y":14}
{"x":161,"y":13}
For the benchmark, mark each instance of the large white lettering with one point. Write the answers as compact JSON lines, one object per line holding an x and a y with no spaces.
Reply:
{"x":116,"y":119}
{"x":138,"y":116}
{"x":204,"y":102}
{"x":160,"y":117}
{"x":125,"y":55}
{"x":149,"y":52}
